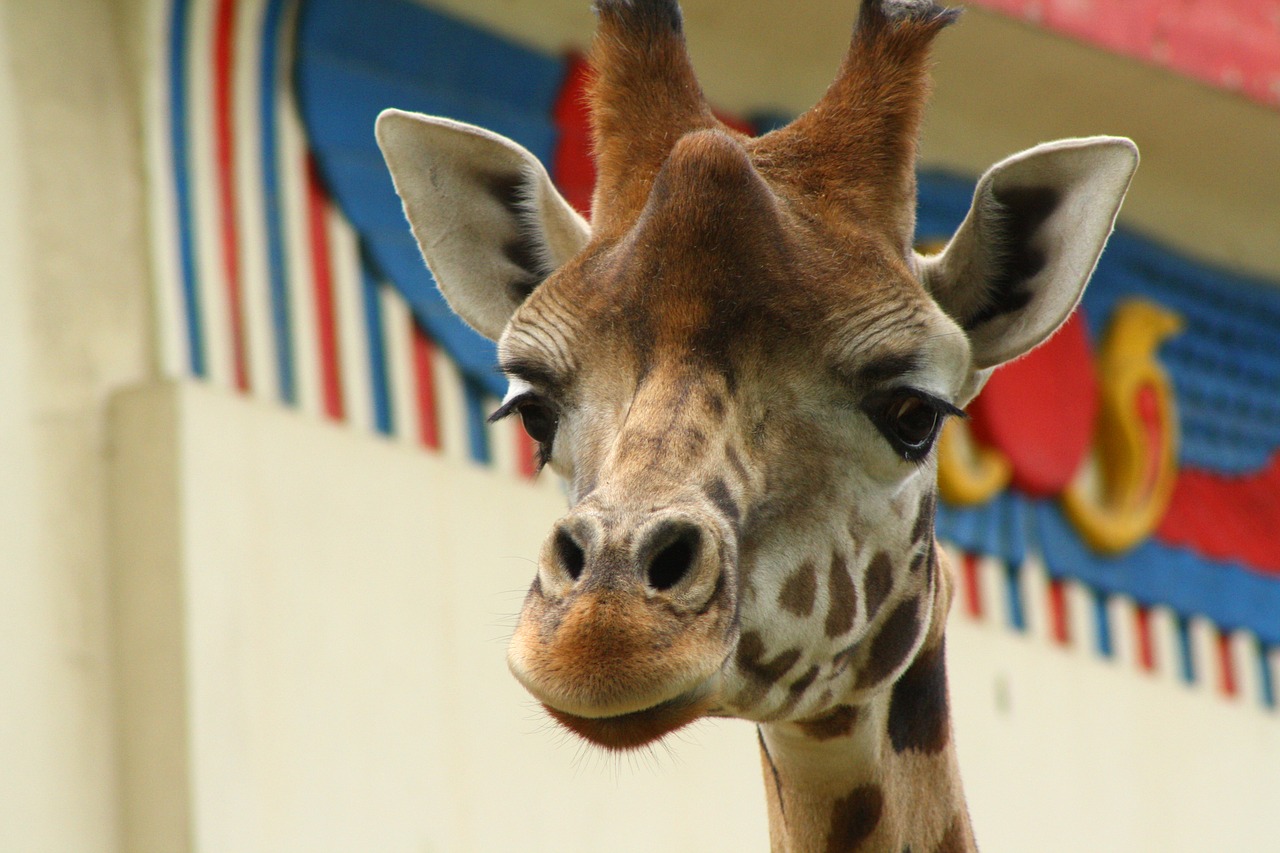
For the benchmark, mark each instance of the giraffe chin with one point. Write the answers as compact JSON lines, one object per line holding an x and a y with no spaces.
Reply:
{"x":638,"y":728}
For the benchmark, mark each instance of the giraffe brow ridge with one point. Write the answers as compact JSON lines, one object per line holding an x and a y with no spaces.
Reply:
{"x":534,"y":372}
{"x":887,"y":368}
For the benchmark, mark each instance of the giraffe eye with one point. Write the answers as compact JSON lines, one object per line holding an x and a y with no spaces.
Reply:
{"x":538,"y":420}
{"x":913,"y":421}
{"x":910,"y":420}
{"x":537,"y":417}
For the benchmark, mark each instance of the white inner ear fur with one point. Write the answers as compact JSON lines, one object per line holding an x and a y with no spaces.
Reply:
{"x":556,"y":230}
{"x":1090,"y":177}
{"x":471,"y":196}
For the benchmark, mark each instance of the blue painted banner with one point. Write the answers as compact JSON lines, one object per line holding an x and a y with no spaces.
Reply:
{"x":402,"y":55}
{"x":354,"y":61}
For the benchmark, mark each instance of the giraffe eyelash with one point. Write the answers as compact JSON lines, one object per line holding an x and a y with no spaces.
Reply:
{"x":538,"y":419}
{"x":506,"y":410}
{"x":942,"y":406}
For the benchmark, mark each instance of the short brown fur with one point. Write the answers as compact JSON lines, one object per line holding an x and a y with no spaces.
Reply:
{"x":715,"y":257}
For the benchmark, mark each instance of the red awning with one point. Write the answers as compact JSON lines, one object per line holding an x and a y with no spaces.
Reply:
{"x":1229,"y":44}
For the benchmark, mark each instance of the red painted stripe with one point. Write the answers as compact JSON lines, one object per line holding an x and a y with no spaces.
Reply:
{"x":322,"y":285}
{"x":424,"y":387}
{"x":970,"y":585}
{"x":1227,"y":681}
{"x":225,"y":154}
{"x":1059,"y":625}
{"x":1146,"y":644}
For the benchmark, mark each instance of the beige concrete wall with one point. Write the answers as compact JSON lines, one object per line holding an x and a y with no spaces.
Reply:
{"x":1064,"y":752}
{"x":314,"y":624}
{"x":72,"y":327}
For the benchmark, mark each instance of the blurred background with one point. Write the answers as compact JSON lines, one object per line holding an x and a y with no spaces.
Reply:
{"x":260,"y":553}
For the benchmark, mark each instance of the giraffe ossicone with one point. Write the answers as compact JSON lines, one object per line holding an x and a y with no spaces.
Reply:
{"x":740,"y":367}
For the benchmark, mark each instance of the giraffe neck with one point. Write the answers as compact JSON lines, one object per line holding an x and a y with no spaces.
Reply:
{"x":880,"y":777}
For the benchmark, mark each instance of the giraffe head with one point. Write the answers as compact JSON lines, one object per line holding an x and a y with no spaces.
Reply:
{"x":740,"y":367}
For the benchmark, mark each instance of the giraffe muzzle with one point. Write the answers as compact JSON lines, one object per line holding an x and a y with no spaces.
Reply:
{"x":625,"y":629}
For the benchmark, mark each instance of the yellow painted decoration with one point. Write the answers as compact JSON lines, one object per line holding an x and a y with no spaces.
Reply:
{"x":1119,"y":496}
{"x":969,"y":473}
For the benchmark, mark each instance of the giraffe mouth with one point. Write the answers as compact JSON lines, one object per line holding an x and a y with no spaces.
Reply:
{"x":637,"y":728}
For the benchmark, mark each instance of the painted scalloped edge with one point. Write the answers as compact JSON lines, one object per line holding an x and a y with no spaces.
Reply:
{"x":1152,"y":641}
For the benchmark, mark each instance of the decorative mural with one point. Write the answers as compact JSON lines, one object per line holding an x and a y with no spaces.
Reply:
{"x":262,"y":284}
{"x":1119,"y":482}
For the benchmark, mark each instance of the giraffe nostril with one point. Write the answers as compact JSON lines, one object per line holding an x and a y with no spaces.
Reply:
{"x":673,"y":561}
{"x":570,"y":554}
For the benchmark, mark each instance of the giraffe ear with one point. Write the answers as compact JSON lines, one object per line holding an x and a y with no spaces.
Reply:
{"x":1019,"y":262}
{"x":489,"y":222}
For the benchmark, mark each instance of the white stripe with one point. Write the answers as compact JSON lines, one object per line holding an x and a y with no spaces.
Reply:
{"x":1123,"y":621}
{"x":297,"y":244}
{"x":993,"y":592}
{"x":502,"y":439}
{"x":255,"y":274}
{"x":397,"y":326}
{"x":1034,"y":579}
{"x":451,"y":407}
{"x":1165,"y":647}
{"x":204,"y":191}
{"x":1082,"y":621}
{"x":1244,"y":659}
{"x":1206,"y":664}
{"x":169,"y":319}
{"x":353,"y":340}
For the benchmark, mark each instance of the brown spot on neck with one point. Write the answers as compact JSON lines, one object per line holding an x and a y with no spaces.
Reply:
{"x":919,"y":717}
{"x":854,"y":818}
{"x":751,"y":659}
{"x":892,"y":644}
{"x":798,"y":593}
{"x":843,"y":604}
{"x":924,"y":519}
{"x":839,"y":722}
{"x":878,"y":583}
{"x":796,"y":691}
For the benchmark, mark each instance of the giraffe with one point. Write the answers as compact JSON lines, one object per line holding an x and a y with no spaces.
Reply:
{"x":740,"y":367}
